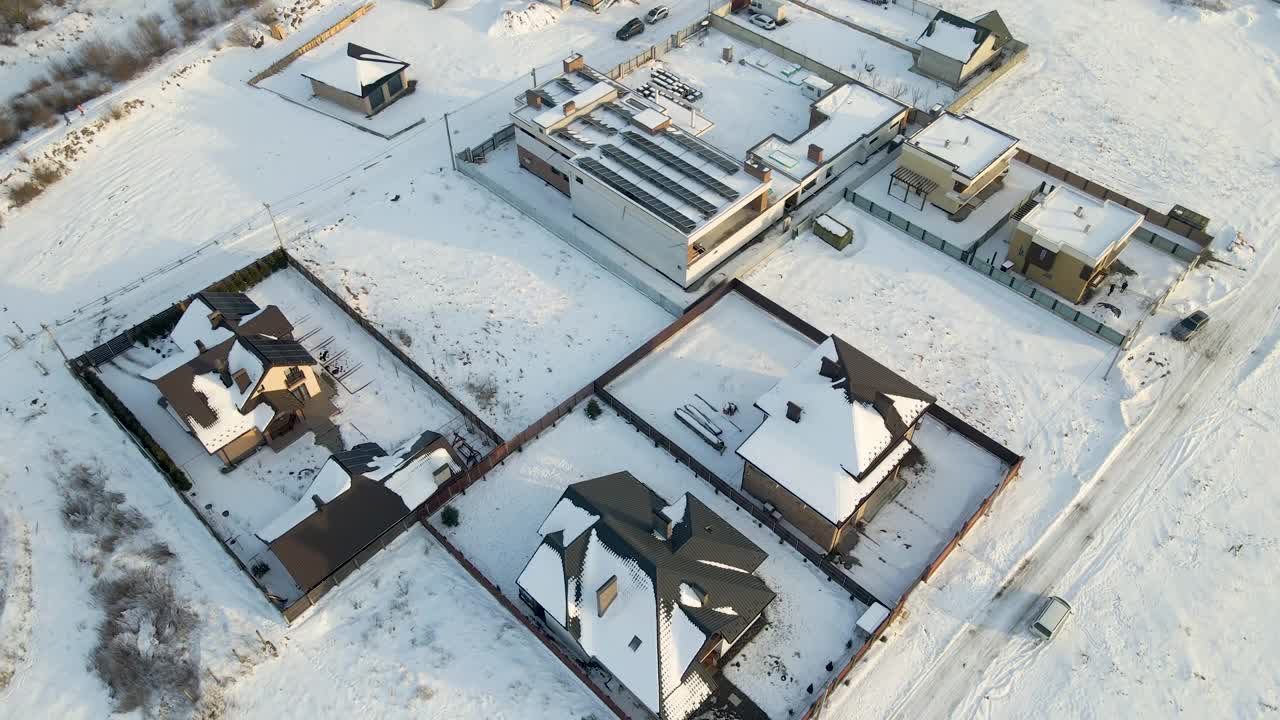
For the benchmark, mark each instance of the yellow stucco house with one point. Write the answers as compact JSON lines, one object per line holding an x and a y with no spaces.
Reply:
{"x":950,"y":162}
{"x":1069,"y":240}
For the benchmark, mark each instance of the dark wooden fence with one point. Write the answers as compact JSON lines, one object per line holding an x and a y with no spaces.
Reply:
{"x":1090,"y":187}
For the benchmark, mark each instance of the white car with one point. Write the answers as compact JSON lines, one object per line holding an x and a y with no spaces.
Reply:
{"x":1051,"y":617}
{"x":659,"y":13}
{"x":763,"y":21}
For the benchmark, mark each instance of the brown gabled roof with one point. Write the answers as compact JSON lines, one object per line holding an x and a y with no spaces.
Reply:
{"x":867,"y":381}
{"x":177,"y":388}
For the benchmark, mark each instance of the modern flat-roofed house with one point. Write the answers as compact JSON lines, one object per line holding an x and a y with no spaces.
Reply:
{"x":360,"y":79}
{"x":1068,"y":240}
{"x":835,"y":434}
{"x":950,"y":162}
{"x":354,"y":497}
{"x":655,"y":592}
{"x":952,"y":48}
{"x":669,"y":198}
{"x":847,"y":125}
{"x":238,"y":380}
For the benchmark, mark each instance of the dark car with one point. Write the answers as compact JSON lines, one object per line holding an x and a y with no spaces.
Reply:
{"x":634,"y":27}
{"x":1190,"y":325}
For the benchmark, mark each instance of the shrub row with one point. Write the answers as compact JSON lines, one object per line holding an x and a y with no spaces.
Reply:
{"x":122,"y":413}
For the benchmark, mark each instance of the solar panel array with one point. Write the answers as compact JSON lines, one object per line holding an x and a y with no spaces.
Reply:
{"x":229,"y":303}
{"x":278,"y":353}
{"x":576,"y":137}
{"x":567,"y":84}
{"x":630,"y":190}
{"x":693,"y":173}
{"x":702,"y":151}
{"x":658,"y":179}
{"x":619,"y":110}
{"x":547,"y":99}
{"x":359,"y":459}
{"x":605,"y":128}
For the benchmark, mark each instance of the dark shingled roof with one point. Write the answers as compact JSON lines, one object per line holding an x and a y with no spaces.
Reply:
{"x":316,"y":547}
{"x":626,"y":509}
{"x":867,"y":381}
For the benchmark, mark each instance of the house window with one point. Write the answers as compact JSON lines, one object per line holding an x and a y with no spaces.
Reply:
{"x":377,"y":98}
{"x":959,"y":187}
{"x":395,"y":85}
{"x":809,"y":186}
{"x":634,"y":644}
{"x":579,"y":180}
{"x":300,"y":393}
{"x":829,"y":171}
{"x":294,"y":376}
{"x":1085,"y":272}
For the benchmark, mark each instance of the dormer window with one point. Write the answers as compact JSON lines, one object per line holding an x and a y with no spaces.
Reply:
{"x":294,"y":377}
{"x":635,"y":643}
{"x":242,"y":380}
{"x":215,"y":318}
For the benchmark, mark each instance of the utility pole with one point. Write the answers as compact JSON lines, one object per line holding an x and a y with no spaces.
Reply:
{"x":49,"y":331}
{"x":448,"y":136}
{"x":271,"y":215}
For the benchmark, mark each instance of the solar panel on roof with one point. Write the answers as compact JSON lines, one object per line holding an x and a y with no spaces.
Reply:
{"x":602,"y":127}
{"x":279,"y":352}
{"x":663,"y":155}
{"x":359,"y":459}
{"x":567,"y":84}
{"x":619,"y":110}
{"x":659,"y":180}
{"x":546,"y":97}
{"x":703,"y":151}
{"x":231,"y":304}
{"x":629,"y":189}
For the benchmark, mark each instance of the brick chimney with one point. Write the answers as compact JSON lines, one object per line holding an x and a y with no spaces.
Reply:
{"x":758,"y":170}
{"x":794,"y":412}
{"x":532,"y":99}
{"x":569,"y":108}
{"x":662,"y":525}
{"x":760,"y":203}
{"x":605,"y":596}
{"x":573,"y":63}
{"x":815,"y":154}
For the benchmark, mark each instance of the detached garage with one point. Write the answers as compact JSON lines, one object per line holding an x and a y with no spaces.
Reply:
{"x":360,"y":80}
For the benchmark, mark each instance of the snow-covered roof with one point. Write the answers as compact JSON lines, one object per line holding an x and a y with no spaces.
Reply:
{"x":852,"y":112}
{"x":850,"y":434}
{"x":971,"y":146}
{"x":354,"y":70}
{"x":650,"y":119}
{"x":409,"y":472}
{"x":594,"y":93}
{"x":871,"y":619}
{"x":953,"y":36}
{"x":194,"y":326}
{"x":1097,"y":227}
{"x":668,"y":604}
{"x":229,"y":422}
{"x":831,"y":225}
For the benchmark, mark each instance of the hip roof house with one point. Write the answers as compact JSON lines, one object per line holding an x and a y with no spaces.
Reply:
{"x":238,"y":380}
{"x":953,"y":49}
{"x":835,"y":433}
{"x":656,"y":592}
{"x":360,"y":79}
{"x":354,"y":497}
{"x":1068,"y":240}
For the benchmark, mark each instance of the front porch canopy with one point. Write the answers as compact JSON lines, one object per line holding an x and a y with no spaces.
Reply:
{"x":911,"y":181}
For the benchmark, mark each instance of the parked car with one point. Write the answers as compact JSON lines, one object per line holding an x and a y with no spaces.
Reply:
{"x":634,"y":27}
{"x":763,"y":21}
{"x":659,"y":13}
{"x":1190,"y":325}
{"x":1051,"y":617}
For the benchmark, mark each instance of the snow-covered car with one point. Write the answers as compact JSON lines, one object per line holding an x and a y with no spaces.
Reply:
{"x":634,"y":27}
{"x":659,"y":13}
{"x":1051,"y":617}
{"x":1190,"y":325}
{"x":763,"y":21}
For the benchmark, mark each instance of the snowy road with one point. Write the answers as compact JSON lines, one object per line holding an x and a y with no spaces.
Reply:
{"x":988,"y":655}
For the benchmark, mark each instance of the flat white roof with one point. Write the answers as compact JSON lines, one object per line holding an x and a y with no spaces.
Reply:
{"x":953,"y":41}
{"x":853,"y":111}
{"x":967,"y":144}
{"x":551,"y":116}
{"x":1099,"y":225}
{"x":836,"y":440}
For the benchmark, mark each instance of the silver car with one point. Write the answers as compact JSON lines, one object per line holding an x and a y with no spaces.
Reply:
{"x":1051,"y":617}
{"x":1190,"y":325}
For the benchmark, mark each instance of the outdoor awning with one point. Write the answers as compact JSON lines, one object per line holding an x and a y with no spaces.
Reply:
{"x":914,"y":180}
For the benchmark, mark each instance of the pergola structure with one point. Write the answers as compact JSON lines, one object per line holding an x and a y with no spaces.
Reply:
{"x":911,"y":182}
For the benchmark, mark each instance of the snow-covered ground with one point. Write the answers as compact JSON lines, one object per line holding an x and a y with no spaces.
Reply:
{"x":897,"y":20}
{"x":865,"y":58}
{"x":1164,"y":547}
{"x":734,"y":353}
{"x":810,"y":622}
